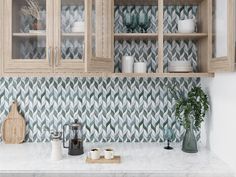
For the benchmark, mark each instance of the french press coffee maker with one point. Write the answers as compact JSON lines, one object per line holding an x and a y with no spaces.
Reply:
{"x":75,"y":140}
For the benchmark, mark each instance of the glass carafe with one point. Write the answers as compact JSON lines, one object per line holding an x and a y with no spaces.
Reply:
{"x":75,"y":138}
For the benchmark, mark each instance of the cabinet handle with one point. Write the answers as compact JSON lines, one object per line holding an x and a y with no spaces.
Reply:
{"x":50,"y":56}
{"x":56,"y":57}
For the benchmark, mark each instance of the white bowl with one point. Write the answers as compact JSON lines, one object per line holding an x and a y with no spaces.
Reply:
{"x":186,"y":26}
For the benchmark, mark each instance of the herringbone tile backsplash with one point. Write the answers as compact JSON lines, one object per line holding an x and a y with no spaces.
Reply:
{"x":110,"y":109}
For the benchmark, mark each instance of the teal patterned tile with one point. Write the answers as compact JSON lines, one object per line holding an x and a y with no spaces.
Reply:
{"x":110,"y":109}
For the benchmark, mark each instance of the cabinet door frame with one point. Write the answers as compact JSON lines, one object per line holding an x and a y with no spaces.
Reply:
{"x":101,"y":63}
{"x":25,"y":65}
{"x":60,"y":65}
{"x":227,"y":63}
{"x":1,"y":37}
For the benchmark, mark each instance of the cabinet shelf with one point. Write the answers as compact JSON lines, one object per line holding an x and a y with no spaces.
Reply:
{"x":182,"y":2}
{"x":184,"y":36}
{"x":160,"y":75}
{"x":73,"y":34}
{"x":155,"y":2}
{"x":136,"y":36}
{"x":29,"y":34}
{"x":137,"y":2}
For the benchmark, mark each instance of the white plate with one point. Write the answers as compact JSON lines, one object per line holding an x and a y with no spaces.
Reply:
{"x":180,"y":69}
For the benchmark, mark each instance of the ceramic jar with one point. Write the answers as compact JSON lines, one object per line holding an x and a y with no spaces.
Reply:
{"x":127,"y":64}
{"x":140,"y":67}
{"x":56,"y":153}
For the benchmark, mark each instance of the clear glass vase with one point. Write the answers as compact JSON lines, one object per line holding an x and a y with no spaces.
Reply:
{"x":190,"y":143}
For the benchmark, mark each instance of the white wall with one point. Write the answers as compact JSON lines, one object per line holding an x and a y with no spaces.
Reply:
{"x":221,"y":126}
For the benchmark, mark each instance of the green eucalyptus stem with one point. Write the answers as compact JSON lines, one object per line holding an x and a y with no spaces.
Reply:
{"x":190,"y":108}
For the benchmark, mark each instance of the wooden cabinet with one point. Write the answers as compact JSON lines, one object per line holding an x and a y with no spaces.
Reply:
{"x":222,"y":40}
{"x":86,"y":38}
{"x":60,"y":38}
{"x":28,"y":42}
{"x":100,"y":36}
{"x":1,"y":37}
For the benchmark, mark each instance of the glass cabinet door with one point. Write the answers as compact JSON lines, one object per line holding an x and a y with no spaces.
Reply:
{"x":222,"y":36}
{"x":70,"y":29}
{"x":101,"y":44}
{"x":27,"y":31}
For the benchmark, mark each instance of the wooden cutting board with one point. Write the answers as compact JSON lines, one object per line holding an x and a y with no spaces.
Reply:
{"x":13,"y":127}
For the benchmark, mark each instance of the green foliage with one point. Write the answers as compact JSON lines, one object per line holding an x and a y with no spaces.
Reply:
{"x":192,"y":107}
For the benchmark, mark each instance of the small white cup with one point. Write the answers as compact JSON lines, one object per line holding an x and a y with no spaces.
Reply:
{"x":186,"y":26}
{"x":108,"y":154}
{"x":140,"y":67}
{"x":94,"y":154}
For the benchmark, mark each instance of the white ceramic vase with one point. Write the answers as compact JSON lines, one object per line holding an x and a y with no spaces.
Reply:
{"x":127,"y":64}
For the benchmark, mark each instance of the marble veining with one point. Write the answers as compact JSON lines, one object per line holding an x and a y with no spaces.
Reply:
{"x":137,"y":159}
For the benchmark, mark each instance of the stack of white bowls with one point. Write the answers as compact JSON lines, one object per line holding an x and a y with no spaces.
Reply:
{"x":78,"y":27}
{"x":180,"y":66}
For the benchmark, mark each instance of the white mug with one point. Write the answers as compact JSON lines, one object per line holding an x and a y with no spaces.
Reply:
{"x":94,"y":154}
{"x":108,"y":154}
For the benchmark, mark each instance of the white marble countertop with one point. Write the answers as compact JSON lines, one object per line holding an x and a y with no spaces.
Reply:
{"x":137,"y":159}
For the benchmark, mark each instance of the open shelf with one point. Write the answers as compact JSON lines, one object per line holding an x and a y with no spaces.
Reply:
{"x":184,"y":36}
{"x":137,"y":2}
{"x":160,"y":75}
{"x":136,"y":36}
{"x":29,"y":34}
{"x":155,"y":2}
{"x":182,"y":2}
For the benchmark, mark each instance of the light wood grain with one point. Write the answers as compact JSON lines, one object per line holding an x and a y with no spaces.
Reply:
{"x":183,"y":2}
{"x":13,"y":128}
{"x":10,"y":47}
{"x":102,"y":160}
{"x":136,"y":2}
{"x":224,"y":64}
{"x":102,"y":61}
{"x":204,"y":23}
{"x":60,"y":64}
{"x":184,"y":36}
{"x":131,"y":36}
{"x":110,"y":74}
{"x":104,"y":36}
{"x":28,"y":35}
{"x":160,"y":17}
{"x":1,"y":38}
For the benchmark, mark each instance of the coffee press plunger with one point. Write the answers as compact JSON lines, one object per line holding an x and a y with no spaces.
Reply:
{"x":75,"y":140}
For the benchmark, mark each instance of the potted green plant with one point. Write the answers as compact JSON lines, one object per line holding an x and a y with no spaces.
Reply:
{"x":190,"y":110}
